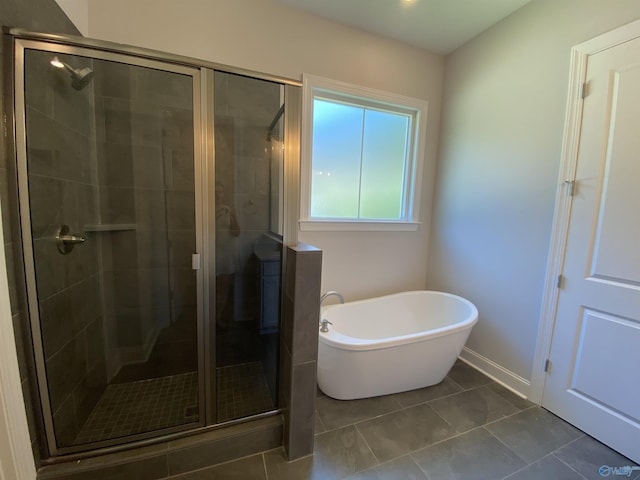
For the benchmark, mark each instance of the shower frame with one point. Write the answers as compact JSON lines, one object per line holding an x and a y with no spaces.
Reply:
{"x":202,"y":73}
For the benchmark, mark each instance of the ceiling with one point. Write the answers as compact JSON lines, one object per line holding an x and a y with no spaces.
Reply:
{"x":439,"y":26}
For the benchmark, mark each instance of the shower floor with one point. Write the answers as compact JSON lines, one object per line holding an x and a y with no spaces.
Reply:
{"x":146,"y":405}
{"x":142,"y":406}
{"x":242,"y":391}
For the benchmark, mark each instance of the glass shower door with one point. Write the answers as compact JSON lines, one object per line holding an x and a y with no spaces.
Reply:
{"x":248,"y":194}
{"x":108,"y":194}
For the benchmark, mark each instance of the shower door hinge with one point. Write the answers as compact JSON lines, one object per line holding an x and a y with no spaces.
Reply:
{"x":195,"y":261}
{"x":547,"y":365}
{"x":571,"y":187}
{"x":560,"y":281}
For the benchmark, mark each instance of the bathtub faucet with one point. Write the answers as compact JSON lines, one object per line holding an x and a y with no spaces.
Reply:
{"x":329,"y":294}
{"x":324,"y":325}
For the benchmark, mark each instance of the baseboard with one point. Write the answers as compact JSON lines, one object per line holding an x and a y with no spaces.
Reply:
{"x":503,"y":376}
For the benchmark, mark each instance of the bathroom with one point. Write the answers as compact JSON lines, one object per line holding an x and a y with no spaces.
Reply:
{"x":465,"y":246}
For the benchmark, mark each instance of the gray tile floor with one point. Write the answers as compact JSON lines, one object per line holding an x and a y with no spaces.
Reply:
{"x":467,"y":427}
{"x":135,"y":407}
{"x":242,"y":391}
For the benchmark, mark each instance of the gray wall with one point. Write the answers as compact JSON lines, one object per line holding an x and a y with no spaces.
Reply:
{"x":504,"y":103}
{"x":42,"y":15}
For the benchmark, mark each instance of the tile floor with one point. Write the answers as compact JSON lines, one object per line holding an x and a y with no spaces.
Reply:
{"x":135,"y":407}
{"x":242,"y":391}
{"x":467,"y":427}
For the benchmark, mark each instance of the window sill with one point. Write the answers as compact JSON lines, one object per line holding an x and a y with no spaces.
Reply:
{"x":357,"y":226}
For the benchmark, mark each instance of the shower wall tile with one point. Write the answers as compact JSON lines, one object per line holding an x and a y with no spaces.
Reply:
{"x":172,"y":90}
{"x":146,"y":125}
{"x":177,"y":127}
{"x":148,"y":167}
{"x":56,"y":333}
{"x":88,"y":392}
{"x":253,"y":211}
{"x":153,"y":285}
{"x":258,"y":98}
{"x":115,"y":164}
{"x":127,"y":322}
{"x":38,"y":82}
{"x":116,"y":116}
{"x":112,"y":79}
{"x":74,"y":153}
{"x":152,"y":249}
{"x":150,"y":210}
{"x":182,"y":246}
{"x":53,"y":203}
{"x":82,"y":262}
{"x":95,"y":345}
{"x":246,"y":168}
{"x":73,"y":107}
{"x":87,"y":206}
{"x":117,"y":205}
{"x":180,"y":210}
{"x":48,"y":277}
{"x":86,"y":302}
{"x":66,"y":369}
{"x":120,"y":250}
{"x":65,"y":422}
{"x":182,"y":170}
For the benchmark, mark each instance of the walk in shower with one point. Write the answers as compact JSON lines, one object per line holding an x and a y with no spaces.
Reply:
{"x":151,"y":209}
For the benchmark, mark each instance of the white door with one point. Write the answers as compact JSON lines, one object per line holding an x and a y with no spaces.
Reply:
{"x":594,"y":379}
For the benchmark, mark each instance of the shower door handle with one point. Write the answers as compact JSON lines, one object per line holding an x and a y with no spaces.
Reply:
{"x":66,"y":241}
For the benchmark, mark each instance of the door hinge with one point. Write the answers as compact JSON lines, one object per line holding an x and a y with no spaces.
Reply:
{"x":560,"y":281}
{"x":547,"y":365}
{"x":195,"y":261}
{"x":585,"y":90}
{"x":571,"y":187}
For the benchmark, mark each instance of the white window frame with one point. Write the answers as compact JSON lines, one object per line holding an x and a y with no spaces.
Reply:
{"x":367,"y":98}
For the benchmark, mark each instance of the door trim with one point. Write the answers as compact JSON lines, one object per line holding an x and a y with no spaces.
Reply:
{"x":568,"y":162}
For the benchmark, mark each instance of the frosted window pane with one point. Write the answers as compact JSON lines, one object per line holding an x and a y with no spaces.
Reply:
{"x":383,"y":165}
{"x":337,"y":143}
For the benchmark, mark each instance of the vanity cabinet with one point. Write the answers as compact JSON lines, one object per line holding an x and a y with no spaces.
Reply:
{"x":269,"y":293}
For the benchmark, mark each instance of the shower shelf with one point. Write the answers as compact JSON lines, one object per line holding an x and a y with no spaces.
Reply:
{"x":109,"y":227}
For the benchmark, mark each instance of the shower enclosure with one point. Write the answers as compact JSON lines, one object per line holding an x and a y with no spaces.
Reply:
{"x":151,"y":209}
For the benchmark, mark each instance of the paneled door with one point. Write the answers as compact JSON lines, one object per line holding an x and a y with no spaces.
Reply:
{"x":594,"y":379}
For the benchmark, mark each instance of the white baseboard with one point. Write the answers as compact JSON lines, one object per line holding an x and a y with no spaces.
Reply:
{"x":518,"y":385}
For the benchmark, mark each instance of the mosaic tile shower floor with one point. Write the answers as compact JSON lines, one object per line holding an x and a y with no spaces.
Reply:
{"x":136,"y":407}
{"x":242,"y":391}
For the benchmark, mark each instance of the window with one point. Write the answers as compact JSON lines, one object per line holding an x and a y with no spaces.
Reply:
{"x":362,"y":158}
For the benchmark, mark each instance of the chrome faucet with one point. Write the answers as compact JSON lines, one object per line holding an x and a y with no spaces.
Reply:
{"x":329,"y":294}
{"x":324,"y":325}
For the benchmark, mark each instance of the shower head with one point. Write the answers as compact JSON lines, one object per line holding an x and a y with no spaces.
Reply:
{"x":80,"y":77}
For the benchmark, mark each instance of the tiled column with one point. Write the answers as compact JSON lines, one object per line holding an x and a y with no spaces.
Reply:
{"x":299,"y":347}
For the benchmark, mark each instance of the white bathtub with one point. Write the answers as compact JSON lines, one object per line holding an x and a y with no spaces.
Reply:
{"x":392,"y":344}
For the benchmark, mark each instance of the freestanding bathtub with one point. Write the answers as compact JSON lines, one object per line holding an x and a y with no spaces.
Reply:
{"x":392,"y":344}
